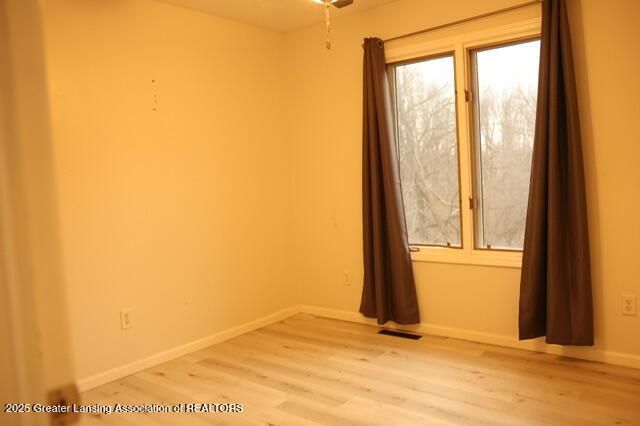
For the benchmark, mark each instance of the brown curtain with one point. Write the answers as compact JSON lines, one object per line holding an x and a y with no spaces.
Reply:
{"x":389,"y":292}
{"x":555,"y":288}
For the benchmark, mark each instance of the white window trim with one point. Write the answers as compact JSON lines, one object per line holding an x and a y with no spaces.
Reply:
{"x":460,"y":44}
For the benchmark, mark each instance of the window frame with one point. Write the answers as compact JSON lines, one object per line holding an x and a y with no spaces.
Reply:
{"x":472,"y":105}
{"x":391,"y":73}
{"x":462,"y":44}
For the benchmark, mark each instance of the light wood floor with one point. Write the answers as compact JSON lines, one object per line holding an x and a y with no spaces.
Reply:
{"x":315,"y":371}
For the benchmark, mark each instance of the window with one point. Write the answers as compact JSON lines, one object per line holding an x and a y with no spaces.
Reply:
{"x":504,"y":88}
{"x":472,"y":145}
{"x":428,"y":150}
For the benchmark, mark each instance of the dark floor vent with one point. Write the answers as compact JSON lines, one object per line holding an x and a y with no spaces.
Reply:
{"x":400,"y":334}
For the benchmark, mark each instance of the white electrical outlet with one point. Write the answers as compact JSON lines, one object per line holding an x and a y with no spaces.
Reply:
{"x":629,"y":305}
{"x":346,"y":278}
{"x":125,"y":319}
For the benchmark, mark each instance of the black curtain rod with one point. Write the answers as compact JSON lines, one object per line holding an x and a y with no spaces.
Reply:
{"x":462,"y":21}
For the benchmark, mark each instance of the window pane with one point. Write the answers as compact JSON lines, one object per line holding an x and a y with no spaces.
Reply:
{"x":507,"y":85}
{"x":428,"y":149}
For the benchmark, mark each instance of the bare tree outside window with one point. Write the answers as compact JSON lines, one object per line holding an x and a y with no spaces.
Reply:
{"x":506,"y":80}
{"x":504,"y":84}
{"x":428,"y":150}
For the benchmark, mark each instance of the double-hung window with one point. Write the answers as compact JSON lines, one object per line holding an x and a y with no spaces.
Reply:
{"x":504,"y":85}
{"x":425,"y":107}
{"x":465,"y":122}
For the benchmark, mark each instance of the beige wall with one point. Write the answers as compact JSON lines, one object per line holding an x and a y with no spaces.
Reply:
{"x":325,"y":131}
{"x":240,"y":194}
{"x":178,"y":213}
{"x":605,"y":34}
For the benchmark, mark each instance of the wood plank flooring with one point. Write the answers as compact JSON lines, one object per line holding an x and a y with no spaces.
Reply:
{"x":307,"y":370}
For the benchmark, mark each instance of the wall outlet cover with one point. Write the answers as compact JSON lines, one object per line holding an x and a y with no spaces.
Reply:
{"x":125,"y":319}
{"x":346,"y":278}
{"x":629,"y":305}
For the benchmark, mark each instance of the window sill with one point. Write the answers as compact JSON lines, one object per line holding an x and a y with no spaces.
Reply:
{"x":468,"y":257}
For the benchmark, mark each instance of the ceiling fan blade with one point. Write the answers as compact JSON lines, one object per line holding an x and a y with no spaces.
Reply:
{"x":342,"y":3}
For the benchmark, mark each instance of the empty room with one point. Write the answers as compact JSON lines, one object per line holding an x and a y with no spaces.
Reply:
{"x":319,"y":212}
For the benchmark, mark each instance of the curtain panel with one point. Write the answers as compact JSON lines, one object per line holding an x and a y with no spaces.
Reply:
{"x":555,"y":288}
{"x":389,"y":292}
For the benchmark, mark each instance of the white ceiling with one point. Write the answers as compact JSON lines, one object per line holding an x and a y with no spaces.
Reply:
{"x":278,"y":15}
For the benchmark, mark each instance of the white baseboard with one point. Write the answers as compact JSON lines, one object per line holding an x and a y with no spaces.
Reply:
{"x":537,"y":345}
{"x":591,"y":354}
{"x":168,"y":355}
